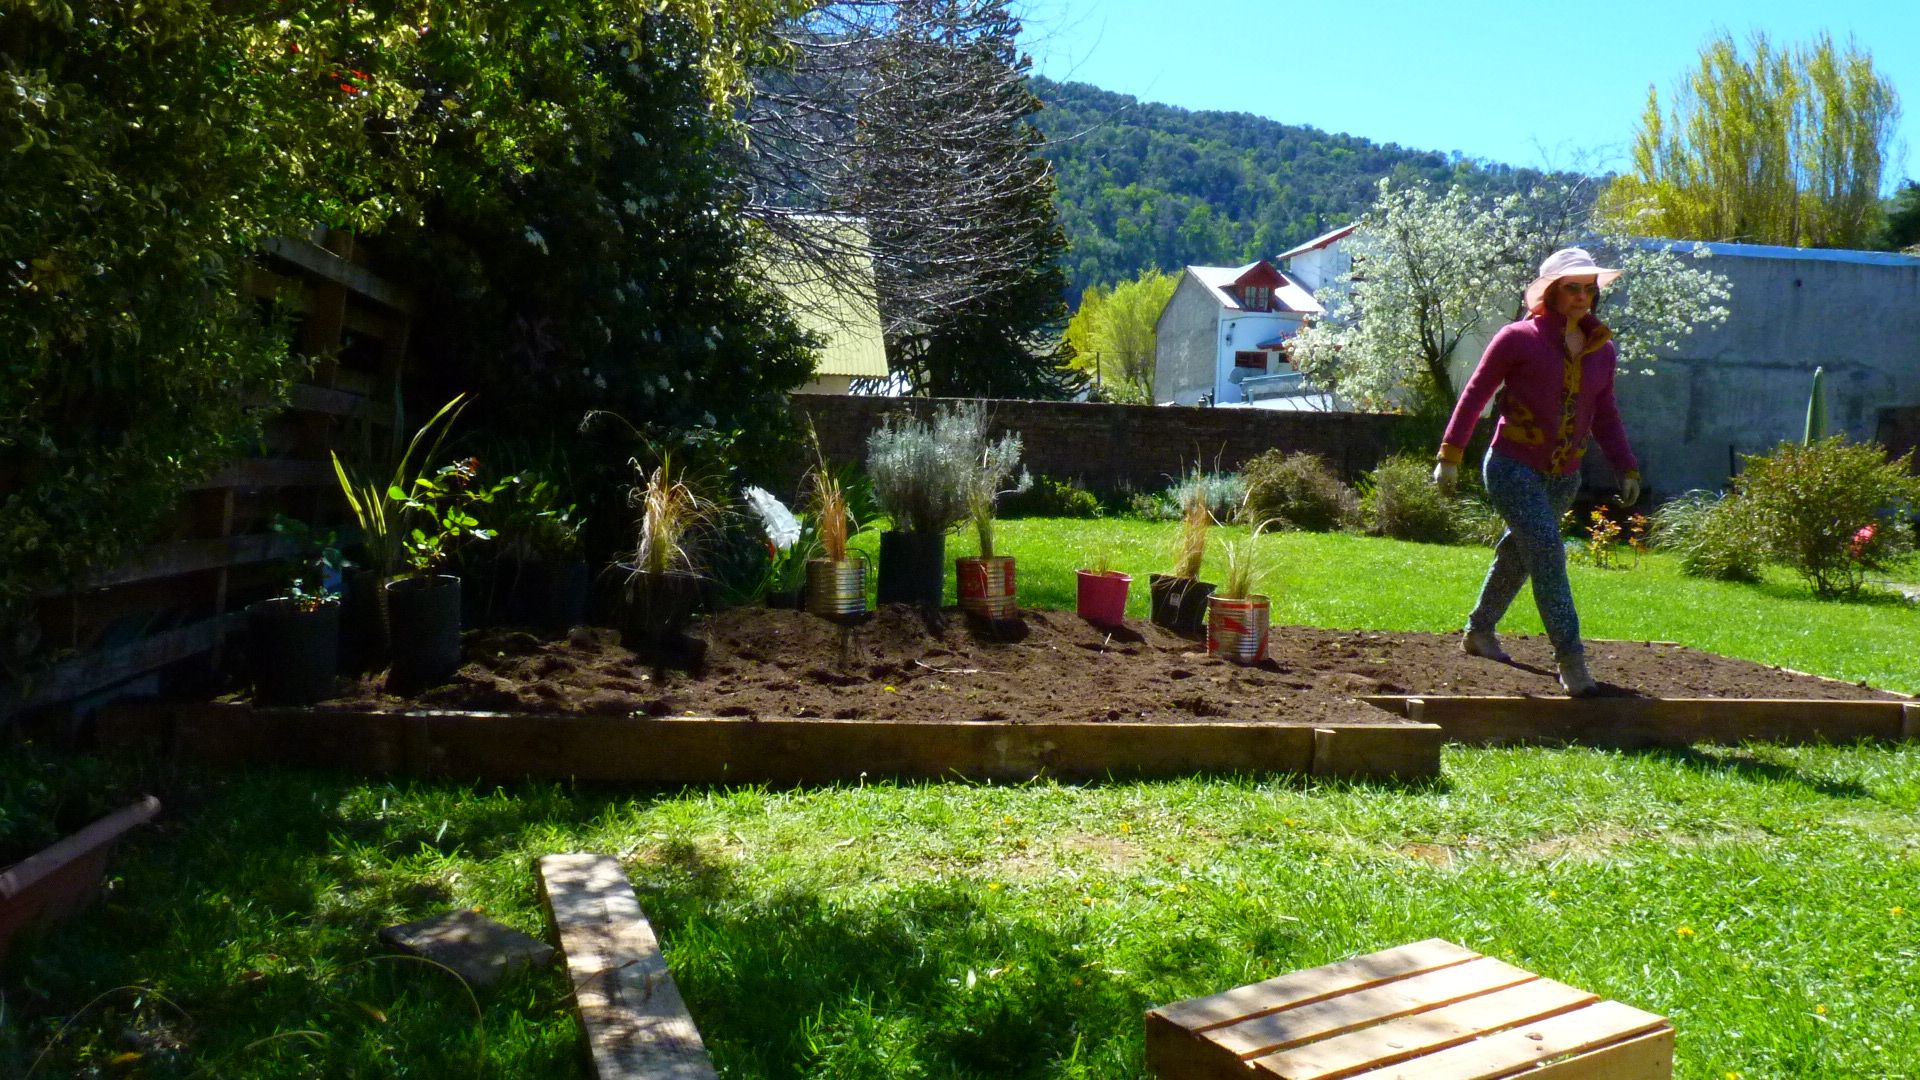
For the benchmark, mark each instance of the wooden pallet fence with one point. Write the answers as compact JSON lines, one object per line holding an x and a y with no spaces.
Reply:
{"x":694,"y":750}
{"x":1636,"y":723}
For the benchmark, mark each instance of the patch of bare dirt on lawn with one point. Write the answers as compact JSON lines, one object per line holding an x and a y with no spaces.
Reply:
{"x":1048,"y":666}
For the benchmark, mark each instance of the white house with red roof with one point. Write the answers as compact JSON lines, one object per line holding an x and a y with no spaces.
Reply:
{"x":1318,"y":263}
{"x":1221,"y":339}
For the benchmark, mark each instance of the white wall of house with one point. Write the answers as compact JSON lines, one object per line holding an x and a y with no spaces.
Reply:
{"x":1319,"y":268}
{"x":1243,"y":332}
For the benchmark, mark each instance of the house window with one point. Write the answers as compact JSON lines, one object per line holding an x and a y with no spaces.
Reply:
{"x":1256,"y":360}
{"x":1256,"y":298}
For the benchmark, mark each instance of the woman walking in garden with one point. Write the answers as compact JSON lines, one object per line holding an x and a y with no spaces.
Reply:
{"x":1554,"y":375}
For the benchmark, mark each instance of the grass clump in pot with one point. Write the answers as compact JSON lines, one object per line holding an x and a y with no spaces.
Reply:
{"x":1191,"y":545}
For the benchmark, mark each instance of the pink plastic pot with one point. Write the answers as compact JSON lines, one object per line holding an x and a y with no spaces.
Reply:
{"x":1103,"y":596}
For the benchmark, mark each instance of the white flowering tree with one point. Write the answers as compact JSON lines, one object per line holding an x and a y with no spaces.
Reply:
{"x":1430,"y":270}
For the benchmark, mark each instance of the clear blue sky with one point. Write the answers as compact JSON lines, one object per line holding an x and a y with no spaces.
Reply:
{"x":1538,"y":84}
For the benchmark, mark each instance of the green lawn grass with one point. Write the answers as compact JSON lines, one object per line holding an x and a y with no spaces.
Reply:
{"x":1762,"y":897}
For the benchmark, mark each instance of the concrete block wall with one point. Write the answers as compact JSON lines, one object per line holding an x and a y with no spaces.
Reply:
{"x":1119,"y":448}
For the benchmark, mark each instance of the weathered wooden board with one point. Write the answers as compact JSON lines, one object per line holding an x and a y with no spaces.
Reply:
{"x":1634,"y":723}
{"x":695,"y":750}
{"x":636,"y":1024}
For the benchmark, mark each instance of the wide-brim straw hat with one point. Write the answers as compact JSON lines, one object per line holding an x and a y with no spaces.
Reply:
{"x":1567,"y":262}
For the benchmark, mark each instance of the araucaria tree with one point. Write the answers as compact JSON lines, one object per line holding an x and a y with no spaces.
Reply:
{"x":911,"y":117}
{"x":1431,"y":270}
{"x":1770,"y":146}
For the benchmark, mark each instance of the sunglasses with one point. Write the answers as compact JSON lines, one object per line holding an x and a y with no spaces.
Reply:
{"x":1587,"y":287}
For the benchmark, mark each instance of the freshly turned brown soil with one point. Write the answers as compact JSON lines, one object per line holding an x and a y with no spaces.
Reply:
{"x":1046,"y":666}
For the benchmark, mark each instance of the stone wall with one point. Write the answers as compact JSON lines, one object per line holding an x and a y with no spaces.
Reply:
{"x":1119,"y":448}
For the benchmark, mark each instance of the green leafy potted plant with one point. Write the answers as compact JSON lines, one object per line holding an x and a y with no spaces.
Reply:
{"x":1180,"y":598}
{"x":985,"y":582}
{"x":1101,"y":591}
{"x":1238,"y":619}
{"x":918,"y":468}
{"x":542,"y":558}
{"x":379,"y":508}
{"x":293,"y":640}
{"x":662,"y":583}
{"x":423,"y":606}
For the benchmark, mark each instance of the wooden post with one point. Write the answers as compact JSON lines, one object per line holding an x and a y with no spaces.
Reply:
{"x":636,"y":1025}
{"x":1910,"y":721}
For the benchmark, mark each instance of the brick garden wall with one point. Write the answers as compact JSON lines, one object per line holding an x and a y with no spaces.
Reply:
{"x":1115,"y":448}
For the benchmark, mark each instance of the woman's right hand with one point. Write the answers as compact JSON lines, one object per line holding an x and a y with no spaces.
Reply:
{"x":1445,"y":473}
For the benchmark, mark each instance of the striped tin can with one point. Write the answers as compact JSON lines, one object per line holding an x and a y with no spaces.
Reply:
{"x":837,"y":588}
{"x":986,"y":586}
{"x":1237,"y":628}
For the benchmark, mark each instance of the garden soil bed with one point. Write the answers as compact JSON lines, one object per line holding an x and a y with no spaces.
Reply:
{"x":1047,"y":667}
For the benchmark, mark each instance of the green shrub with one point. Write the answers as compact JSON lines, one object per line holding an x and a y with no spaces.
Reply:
{"x":1832,"y":510}
{"x":1300,"y":490}
{"x":1224,"y":493}
{"x":1473,"y":520}
{"x":1399,"y":499}
{"x":1051,"y":498}
{"x":1711,"y":534}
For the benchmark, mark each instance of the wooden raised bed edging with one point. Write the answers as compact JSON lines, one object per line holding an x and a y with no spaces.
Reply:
{"x":1629,"y":723}
{"x":59,"y":879}
{"x":692,"y":750}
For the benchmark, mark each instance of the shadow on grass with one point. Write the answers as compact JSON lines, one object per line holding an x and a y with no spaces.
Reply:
{"x":1745,"y":765}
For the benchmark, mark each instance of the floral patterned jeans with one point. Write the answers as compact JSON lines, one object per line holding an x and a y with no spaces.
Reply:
{"x":1532,"y":504}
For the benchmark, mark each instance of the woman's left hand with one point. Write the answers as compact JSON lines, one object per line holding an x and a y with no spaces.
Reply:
{"x":1629,"y":489}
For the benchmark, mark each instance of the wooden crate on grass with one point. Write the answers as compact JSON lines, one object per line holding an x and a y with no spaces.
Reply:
{"x":1431,"y":1010}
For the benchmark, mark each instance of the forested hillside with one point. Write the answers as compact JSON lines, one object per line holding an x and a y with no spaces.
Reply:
{"x":1145,"y":185}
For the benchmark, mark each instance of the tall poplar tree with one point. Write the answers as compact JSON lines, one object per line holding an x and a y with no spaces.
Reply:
{"x":1768,"y":146}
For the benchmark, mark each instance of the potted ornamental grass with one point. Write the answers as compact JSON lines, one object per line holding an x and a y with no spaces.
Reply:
{"x":1180,"y":597}
{"x":1101,"y":591}
{"x":985,"y":582}
{"x":918,"y":468}
{"x":293,"y":640}
{"x":662,"y":583}
{"x":836,"y":580}
{"x":1238,"y":618}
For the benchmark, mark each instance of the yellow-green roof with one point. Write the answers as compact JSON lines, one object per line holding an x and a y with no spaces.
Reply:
{"x":843,"y":311}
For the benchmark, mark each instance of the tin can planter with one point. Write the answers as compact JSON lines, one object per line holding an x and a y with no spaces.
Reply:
{"x":1237,"y":628}
{"x":837,"y":588}
{"x":423,"y":620}
{"x":293,"y":650}
{"x":986,"y":586}
{"x":58,"y":880}
{"x":1179,"y":603}
{"x":913,"y":568}
{"x":1103,"y":596}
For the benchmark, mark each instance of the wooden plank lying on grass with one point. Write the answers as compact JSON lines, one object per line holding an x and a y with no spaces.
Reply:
{"x":1632,"y":723}
{"x":636,"y":1024}
{"x":691,"y":750}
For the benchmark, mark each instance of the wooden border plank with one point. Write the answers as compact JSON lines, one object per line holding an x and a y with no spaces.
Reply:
{"x":636,"y":1023}
{"x":1635,"y":723}
{"x":1409,"y":751}
{"x":695,"y":750}
{"x":1910,"y":721}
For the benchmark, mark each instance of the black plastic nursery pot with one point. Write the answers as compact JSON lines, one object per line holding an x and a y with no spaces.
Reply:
{"x":423,"y":622}
{"x":363,"y":622}
{"x":1179,"y":603}
{"x":293,"y":650}
{"x":913,"y":568}
{"x":654,"y":606}
{"x":547,"y":595}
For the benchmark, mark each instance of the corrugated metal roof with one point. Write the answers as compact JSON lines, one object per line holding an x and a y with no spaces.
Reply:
{"x":1320,"y":241}
{"x":1773,"y":251}
{"x":1290,"y":296}
{"x":844,"y":314}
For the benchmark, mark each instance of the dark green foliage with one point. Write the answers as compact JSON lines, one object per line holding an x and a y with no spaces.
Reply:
{"x":1400,"y":500}
{"x":1146,"y":186}
{"x":1832,"y":510}
{"x":1901,"y":229}
{"x":1051,"y":498}
{"x":1301,"y":491}
{"x":1711,"y":533}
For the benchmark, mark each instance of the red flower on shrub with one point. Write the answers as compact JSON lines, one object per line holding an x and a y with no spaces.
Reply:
{"x":1861,"y":539}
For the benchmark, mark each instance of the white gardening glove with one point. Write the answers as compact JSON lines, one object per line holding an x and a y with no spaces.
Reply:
{"x":1445,"y":474}
{"x":1629,"y":489}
